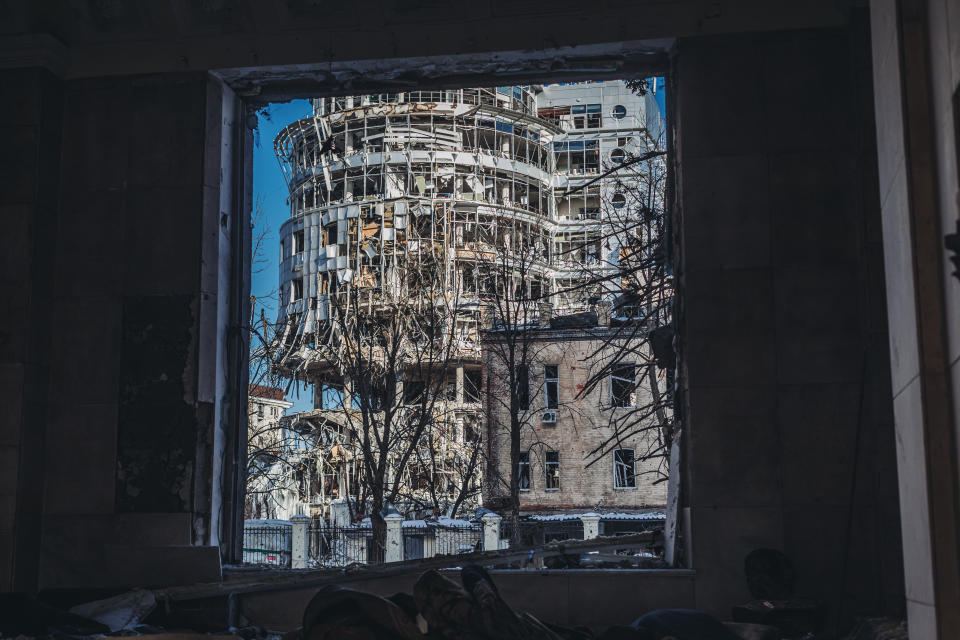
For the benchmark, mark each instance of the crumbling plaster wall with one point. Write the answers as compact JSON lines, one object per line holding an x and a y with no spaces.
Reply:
{"x":116,"y":420}
{"x":583,"y":425}
{"x":781,"y":285}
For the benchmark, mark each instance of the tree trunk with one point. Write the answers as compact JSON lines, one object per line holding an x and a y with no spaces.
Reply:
{"x":514,"y":483}
{"x":379,"y":537}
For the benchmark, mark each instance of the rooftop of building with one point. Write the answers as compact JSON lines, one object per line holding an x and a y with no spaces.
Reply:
{"x":265,"y":392}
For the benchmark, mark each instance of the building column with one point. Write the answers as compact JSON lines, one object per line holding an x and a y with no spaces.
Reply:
{"x":460,"y":395}
{"x":591,"y":525}
{"x":491,"y":532}
{"x":298,"y":542}
{"x":394,"y":543}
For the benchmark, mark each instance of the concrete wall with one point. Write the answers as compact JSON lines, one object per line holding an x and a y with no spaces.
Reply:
{"x":782,"y":314}
{"x":29,"y":174}
{"x":616,"y":596}
{"x":113,"y":432}
{"x":779,"y":271}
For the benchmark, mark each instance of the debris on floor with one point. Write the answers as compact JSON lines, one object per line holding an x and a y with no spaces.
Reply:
{"x":440,"y":608}
{"x":123,"y":612}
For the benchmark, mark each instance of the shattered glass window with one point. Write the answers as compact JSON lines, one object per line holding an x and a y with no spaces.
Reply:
{"x":551,"y":385}
{"x":552,"y":469}
{"x":523,"y":471}
{"x":624,"y":472}
{"x":622,"y":385}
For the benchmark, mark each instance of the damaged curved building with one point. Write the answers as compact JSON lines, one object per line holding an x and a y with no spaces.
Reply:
{"x":425,"y":205}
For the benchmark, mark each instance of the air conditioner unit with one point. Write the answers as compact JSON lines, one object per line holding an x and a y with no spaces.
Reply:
{"x":550,"y":416}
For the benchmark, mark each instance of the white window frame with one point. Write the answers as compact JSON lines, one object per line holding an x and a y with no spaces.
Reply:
{"x":633,"y":467}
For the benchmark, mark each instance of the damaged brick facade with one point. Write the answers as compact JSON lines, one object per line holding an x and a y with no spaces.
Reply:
{"x":582,"y":426}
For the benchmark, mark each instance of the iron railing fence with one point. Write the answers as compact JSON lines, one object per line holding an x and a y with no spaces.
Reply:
{"x":270,"y":542}
{"x":330,"y":546}
{"x":270,"y":545}
{"x":428,"y":540}
{"x":627,"y":527}
{"x":534,"y":533}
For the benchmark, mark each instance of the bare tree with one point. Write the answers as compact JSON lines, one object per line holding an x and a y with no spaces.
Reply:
{"x":638,"y":287}
{"x":272,"y":467}
{"x":392,"y":347}
{"x":512,"y":282}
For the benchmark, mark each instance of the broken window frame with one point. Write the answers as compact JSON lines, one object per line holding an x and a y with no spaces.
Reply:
{"x":624,"y":471}
{"x":523,"y":472}
{"x":523,"y":386}
{"x":551,"y":470}
{"x":551,"y":386}
{"x":628,"y":384}
{"x":472,"y":385}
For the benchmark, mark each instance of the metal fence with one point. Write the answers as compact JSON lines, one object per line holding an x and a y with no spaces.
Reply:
{"x":270,"y":542}
{"x":534,"y":533}
{"x":329,"y":546}
{"x":267,"y":544}
{"x":627,"y":527}
{"x":427,"y":540}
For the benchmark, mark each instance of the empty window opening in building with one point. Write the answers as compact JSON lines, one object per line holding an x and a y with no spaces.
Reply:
{"x":624,"y":473}
{"x":523,"y":471}
{"x":523,"y":386}
{"x":551,"y":466}
{"x":421,"y":231}
{"x":623,"y":385}
{"x":472,"y":385}
{"x":551,"y":386}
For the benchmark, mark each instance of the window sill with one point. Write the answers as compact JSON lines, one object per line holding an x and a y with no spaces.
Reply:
{"x":552,"y":490}
{"x":624,"y":488}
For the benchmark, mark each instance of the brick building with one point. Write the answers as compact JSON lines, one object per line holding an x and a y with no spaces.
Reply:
{"x":570,"y":459}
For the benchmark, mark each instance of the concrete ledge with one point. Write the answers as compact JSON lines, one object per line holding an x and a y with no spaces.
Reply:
{"x":590,"y":597}
{"x":153,"y":567}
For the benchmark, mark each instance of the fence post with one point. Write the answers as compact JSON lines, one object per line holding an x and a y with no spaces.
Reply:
{"x":591,"y":525}
{"x":491,"y":532}
{"x":394,"y":551}
{"x":298,"y":541}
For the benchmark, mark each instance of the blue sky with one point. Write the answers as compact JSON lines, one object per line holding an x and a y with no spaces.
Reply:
{"x":270,"y":191}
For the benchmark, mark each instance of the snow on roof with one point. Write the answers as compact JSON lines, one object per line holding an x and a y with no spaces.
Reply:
{"x":442,"y":522}
{"x":657,"y":515}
